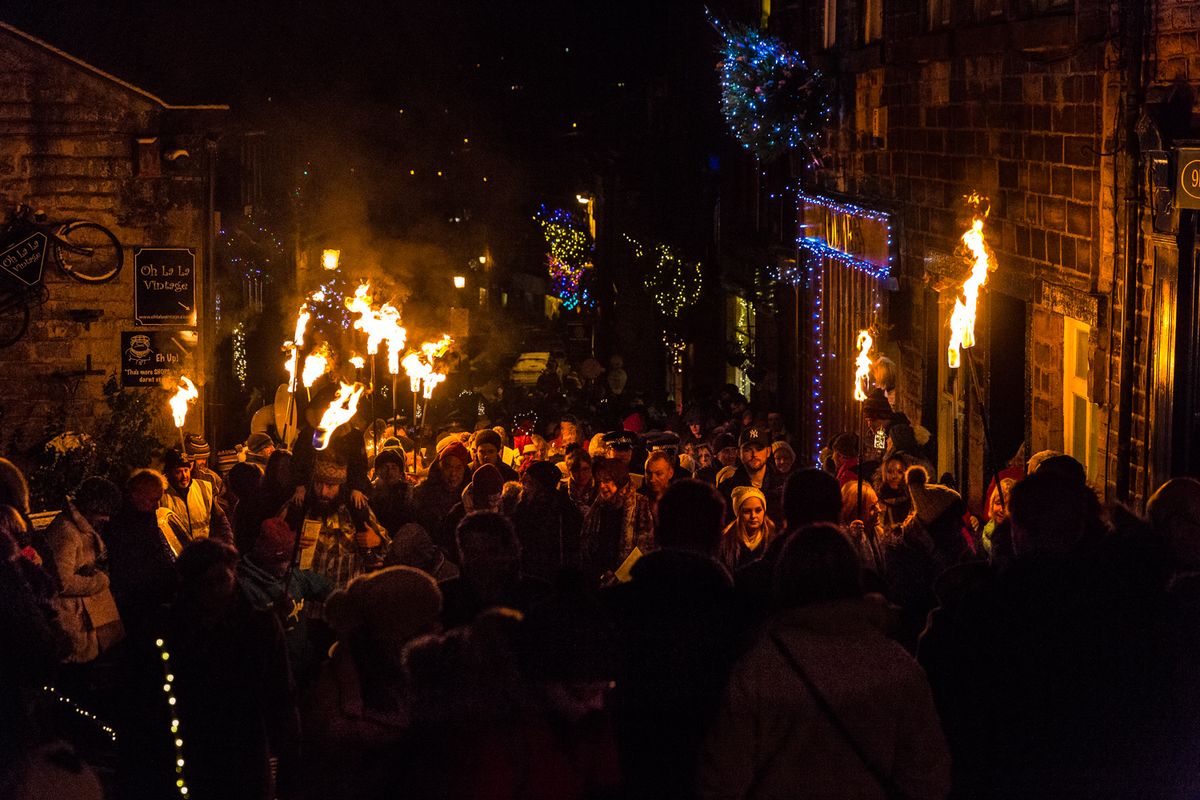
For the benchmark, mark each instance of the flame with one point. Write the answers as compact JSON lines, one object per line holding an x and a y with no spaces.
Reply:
{"x":302,"y":319}
{"x":318,"y":296}
{"x":962,"y":319}
{"x":419,"y":366}
{"x":183,"y":397}
{"x":416,"y":370}
{"x":290,"y":364}
{"x":340,"y":411}
{"x":863,"y":364}
{"x":316,"y":364}
{"x":358,"y":362}
{"x":329,"y":259}
{"x":381,"y":325}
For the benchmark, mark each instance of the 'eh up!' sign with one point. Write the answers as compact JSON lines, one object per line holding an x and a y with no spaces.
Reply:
{"x":164,"y":286}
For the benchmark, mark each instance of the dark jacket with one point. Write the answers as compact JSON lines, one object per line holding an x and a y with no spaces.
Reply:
{"x":548,"y":527}
{"x":681,"y":627}
{"x":433,"y":501}
{"x":141,"y":568}
{"x":393,"y":505}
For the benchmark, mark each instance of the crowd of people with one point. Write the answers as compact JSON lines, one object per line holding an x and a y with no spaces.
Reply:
{"x":628,"y":612}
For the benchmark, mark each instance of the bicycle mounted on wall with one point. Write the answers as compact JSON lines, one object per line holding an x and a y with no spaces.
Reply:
{"x":85,"y":251}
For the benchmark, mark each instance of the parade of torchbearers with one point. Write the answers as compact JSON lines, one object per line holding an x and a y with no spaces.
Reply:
{"x":600,"y":401}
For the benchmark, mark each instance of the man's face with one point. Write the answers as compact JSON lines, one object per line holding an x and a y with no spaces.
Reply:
{"x":325,"y":493}
{"x":754,"y":456}
{"x":487,"y":454}
{"x":180,"y":477}
{"x":146,"y":498}
{"x":728,"y":456}
{"x":390,"y":473}
{"x":658,"y":476}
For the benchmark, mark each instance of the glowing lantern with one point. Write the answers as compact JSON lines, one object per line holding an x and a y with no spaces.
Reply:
{"x":329,"y":259}
{"x":863,"y":364}
{"x":340,"y":411}
{"x":962,"y":319}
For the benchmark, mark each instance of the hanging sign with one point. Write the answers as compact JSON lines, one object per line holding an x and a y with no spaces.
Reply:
{"x":165,"y":286}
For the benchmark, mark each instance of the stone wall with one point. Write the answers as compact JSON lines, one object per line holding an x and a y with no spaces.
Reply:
{"x":69,"y":145}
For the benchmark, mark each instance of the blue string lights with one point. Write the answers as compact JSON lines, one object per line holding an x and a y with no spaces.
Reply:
{"x":772,"y":100}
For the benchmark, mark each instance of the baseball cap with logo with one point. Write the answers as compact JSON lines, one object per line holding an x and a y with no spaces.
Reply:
{"x":755,"y":437}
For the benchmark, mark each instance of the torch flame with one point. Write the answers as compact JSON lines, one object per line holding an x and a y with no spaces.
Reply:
{"x":418,"y":365}
{"x":358,"y":362}
{"x":340,"y":411}
{"x":863,"y":362}
{"x":381,"y":325}
{"x":329,"y":259}
{"x":301,"y":323}
{"x":962,"y":319}
{"x":184,"y":395}
{"x":316,"y":364}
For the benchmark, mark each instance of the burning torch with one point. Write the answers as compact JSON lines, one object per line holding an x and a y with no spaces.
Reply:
{"x":340,"y":411}
{"x":862,"y":374}
{"x":184,"y":396}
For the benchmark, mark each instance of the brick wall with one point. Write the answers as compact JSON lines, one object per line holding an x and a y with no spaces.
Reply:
{"x":69,"y":147}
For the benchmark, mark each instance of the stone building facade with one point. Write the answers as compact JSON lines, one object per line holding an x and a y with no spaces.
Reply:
{"x":1063,"y":115}
{"x":79,"y":143}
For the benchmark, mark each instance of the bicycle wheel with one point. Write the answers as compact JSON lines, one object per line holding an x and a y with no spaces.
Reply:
{"x":88,"y":252}
{"x":14,"y":319}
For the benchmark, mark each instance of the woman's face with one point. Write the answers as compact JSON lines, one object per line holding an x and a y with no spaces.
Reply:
{"x":784,"y":460}
{"x":998,"y":510}
{"x":695,"y":427}
{"x":453,"y":471}
{"x":894,"y":473}
{"x":606,"y":489}
{"x":751,"y":513}
{"x":581,"y":472}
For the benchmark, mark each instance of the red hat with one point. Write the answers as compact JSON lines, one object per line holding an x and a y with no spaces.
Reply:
{"x":454,"y":448}
{"x":275,"y":543}
{"x":487,"y":481}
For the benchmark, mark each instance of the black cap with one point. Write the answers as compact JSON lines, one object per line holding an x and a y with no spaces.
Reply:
{"x":755,"y":436}
{"x":619,"y":440}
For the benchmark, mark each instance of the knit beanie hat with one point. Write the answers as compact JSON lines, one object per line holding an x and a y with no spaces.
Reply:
{"x":487,"y":436}
{"x":275,"y":543}
{"x":390,"y":606}
{"x":259,"y":442}
{"x":780,"y":444}
{"x":545,"y":473}
{"x":390,"y":453}
{"x":329,"y":469}
{"x":197,"y":446}
{"x":453,"y":446}
{"x":486,"y":481}
{"x":741,"y":494}
{"x":930,"y":500}
{"x":173,"y":459}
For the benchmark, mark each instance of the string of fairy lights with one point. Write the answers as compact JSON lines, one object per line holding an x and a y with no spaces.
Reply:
{"x":569,"y":259}
{"x":172,"y":703}
{"x":80,"y":711}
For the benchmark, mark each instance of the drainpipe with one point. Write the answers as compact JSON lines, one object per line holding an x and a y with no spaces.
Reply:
{"x":1133,"y":28}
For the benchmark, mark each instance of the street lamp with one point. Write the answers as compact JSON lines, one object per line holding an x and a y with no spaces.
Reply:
{"x":460,"y":281}
{"x":329,"y":259}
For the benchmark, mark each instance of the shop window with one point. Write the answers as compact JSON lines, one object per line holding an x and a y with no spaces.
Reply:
{"x":740,"y":336}
{"x":1080,"y":418}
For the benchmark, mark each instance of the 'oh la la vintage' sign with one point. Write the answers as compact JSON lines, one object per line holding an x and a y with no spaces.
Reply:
{"x":164,"y":286}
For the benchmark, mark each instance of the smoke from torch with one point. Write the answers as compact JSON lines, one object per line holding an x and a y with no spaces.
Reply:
{"x":962,"y":319}
{"x":340,"y":411}
{"x":863,"y":363}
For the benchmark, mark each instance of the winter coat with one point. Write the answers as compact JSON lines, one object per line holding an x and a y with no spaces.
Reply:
{"x":393,"y":505}
{"x":433,"y":500}
{"x":548,"y":527}
{"x":79,"y":554}
{"x":771,"y":740}
{"x":141,"y":567}
{"x":265,"y":592}
{"x":611,"y":530}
